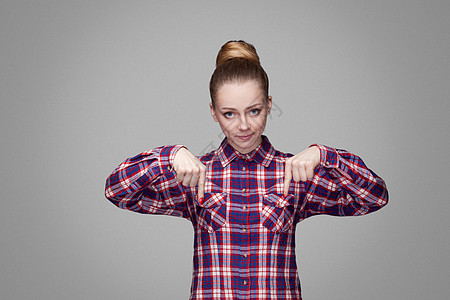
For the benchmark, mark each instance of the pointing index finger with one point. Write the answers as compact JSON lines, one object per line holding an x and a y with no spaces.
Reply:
{"x":287,"y":178}
{"x":201,"y":185}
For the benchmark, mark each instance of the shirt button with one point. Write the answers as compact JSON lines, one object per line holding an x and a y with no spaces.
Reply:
{"x":210,"y":230}
{"x":327,"y":164}
{"x":244,"y":230}
{"x":243,"y":168}
{"x":244,"y":207}
{"x":245,"y":282}
{"x":245,"y":255}
{"x":243,"y":190}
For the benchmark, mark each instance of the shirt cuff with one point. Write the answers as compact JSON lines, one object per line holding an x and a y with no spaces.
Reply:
{"x":329,"y":157}
{"x":167,"y":156}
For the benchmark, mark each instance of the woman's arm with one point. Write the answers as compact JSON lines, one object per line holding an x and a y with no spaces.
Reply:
{"x":340,"y":185}
{"x":146,"y":183}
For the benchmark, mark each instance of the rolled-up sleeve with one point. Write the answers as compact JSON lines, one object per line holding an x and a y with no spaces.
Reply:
{"x":343,"y":186}
{"x":146,"y":183}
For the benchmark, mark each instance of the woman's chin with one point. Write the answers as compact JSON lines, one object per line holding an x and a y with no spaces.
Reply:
{"x":246,"y":144}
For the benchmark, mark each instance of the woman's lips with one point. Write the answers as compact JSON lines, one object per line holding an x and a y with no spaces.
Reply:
{"x":245,"y":137}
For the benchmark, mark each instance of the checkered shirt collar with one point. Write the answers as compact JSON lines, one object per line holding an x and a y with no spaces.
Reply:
{"x":263,"y":154}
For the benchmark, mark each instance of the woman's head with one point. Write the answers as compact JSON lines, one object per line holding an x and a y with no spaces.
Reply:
{"x":239,"y":95}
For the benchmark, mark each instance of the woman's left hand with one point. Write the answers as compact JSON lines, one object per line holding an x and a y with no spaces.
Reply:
{"x":301,"y":167}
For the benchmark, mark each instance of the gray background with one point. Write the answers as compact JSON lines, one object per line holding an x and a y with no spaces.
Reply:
{"x":86,"y":84}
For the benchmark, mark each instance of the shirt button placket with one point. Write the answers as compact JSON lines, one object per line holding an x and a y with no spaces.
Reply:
{"x":245,"y":231}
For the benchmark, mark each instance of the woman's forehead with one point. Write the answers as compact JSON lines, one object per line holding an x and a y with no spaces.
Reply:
{"x":239,"y":95}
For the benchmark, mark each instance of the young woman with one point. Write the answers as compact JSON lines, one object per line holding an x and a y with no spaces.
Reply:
{"x":245,"y":198}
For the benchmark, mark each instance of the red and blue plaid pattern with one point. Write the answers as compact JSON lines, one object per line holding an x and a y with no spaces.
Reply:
{"x":244,"y":245}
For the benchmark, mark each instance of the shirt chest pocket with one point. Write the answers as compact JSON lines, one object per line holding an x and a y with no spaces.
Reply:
{"x":277,"y":213}
{"x":212,"y":212}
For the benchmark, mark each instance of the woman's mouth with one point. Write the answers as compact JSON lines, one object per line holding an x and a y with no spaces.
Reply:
{"x":245,"y":137}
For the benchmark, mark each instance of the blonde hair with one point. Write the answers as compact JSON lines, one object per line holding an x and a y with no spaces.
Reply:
{"x":234,"y":49}
{"x":237,"y":61}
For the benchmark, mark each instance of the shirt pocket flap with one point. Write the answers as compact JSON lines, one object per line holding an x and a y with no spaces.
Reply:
{"x":279,"y":201}
{"x":211,"y":200}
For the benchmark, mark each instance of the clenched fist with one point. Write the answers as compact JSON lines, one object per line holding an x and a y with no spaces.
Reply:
{"x":301,"y":167}
{"x":190,"y":170}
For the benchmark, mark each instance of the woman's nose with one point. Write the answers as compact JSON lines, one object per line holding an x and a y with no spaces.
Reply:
{"x":243,"y":123}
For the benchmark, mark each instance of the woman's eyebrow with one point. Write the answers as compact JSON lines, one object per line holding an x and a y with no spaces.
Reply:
{"x":254,"y":105}
{"x":226,"y":108}
{"x":251,"y":106}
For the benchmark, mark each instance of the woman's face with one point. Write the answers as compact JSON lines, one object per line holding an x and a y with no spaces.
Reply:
{"x":241,"y":110}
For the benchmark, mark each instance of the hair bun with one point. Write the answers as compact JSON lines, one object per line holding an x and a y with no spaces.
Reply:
{"x":237,"y":62}
{"x":237,"y":49}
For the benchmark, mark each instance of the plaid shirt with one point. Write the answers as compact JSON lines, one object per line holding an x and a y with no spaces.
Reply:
{"x":244,"y":245}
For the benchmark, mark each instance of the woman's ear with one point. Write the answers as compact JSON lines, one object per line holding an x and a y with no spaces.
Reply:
{"x":269,"y":104}
{"x":213,"y":112}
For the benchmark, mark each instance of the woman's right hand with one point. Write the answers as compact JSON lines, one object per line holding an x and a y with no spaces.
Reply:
{"x":190,"y":170}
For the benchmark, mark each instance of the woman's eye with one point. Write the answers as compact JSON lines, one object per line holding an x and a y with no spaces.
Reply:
{"x":228,"y":114}
{"x":255,"y":111}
